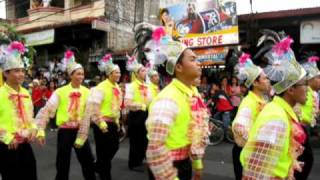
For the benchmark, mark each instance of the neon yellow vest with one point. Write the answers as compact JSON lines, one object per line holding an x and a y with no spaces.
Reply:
{"x":1,"y":78}
{"x":137,"y":96}
{"x":178,"y":92}
{"x":278,"y":109}
{"x":154,"y":89}
{"x":9,"y":120}
{"x":64,"y":92}
{"x":307,"y":110}
{"x":107,"y":106}
{"x":254,"y":103}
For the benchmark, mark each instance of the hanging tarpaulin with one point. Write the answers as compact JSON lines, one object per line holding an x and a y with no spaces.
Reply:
{"x":39,"y":38}
{"x":202,"y":23}
{"x":211,"y":56}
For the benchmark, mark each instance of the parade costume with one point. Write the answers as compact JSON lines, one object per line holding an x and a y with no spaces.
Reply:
{"x":307,"y":114}
{"x":177,"y":122}
{"x":17,"y":124}
{"x":137,"y":99}
{"x":68,"y":103}
{"x":103,"y":108}
{"x":248,"y":110}
{"x":275,"y":139}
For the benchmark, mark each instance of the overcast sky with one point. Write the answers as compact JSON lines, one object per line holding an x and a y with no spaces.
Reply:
{"x":244,"y":5}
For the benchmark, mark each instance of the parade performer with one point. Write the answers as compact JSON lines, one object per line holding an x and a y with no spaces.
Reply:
{"x":103,"y":108}
{"x":252,"y":77}
{"x":275,"y":139}
{"x":154,"y":83}
{"x":309,"y":111}
{"x":137,"y":99}
{"x":177,"y":122}
{"x":17,"y":125}
{"x":70,"y":102}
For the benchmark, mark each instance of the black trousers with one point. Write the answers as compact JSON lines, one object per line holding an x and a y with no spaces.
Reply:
{"x":137,"y":138}
{"x":184,"y":168}
{"x":66,"y":139}
{"x":17,"y":164}
{"x":237,"y":167}
{"x":307,"y":158}
{"x":107,"y":144}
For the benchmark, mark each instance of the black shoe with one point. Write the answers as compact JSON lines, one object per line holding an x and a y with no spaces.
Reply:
{"x":140,"y":168}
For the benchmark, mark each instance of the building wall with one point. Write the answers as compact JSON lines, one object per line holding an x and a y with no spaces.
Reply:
{"x":123,"y":18}
{"x":120,"y":15}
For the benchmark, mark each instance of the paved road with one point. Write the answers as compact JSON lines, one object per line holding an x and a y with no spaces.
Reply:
{"x":218,"y":163}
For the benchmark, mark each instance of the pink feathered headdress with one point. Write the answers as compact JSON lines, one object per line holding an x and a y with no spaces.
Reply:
{"x":283,"y":46}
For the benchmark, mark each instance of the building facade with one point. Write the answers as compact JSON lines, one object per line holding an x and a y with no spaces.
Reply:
{"x":92,"y":27}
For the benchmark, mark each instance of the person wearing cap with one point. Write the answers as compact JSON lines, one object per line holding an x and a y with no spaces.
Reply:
{"x":69,"y":103}
{"x":276,"y":137}
{"x":17,"y":126}
{"x":154,"y":82}
{"x":176,"y":124}
{"x":253,"y":78}
{"x":137,"y":99}
{"x":103,"y":108}
{"x":309,"y":111}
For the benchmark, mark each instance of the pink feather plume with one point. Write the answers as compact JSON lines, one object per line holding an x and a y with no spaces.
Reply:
{"x":313,"y":59}
{"x":158,"y":33}
{"x":283,"y":46}
{"x":244,"y":58}
{"x":68,"y":54}
{"x":131,"y":59}
{"x":16,"y":45}
{"x":107,"y":58}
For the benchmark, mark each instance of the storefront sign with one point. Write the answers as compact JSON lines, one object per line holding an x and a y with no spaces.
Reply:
{"x":209,"y":56}
{"x":310,"y":32}
{"x":202,"y":23}
{"x":39,"y":38}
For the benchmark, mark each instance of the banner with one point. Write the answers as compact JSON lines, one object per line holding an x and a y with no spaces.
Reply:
{"x":310,"y":32}
{"x":39,"y":38}
{"x":202,"y":23}
{"x":209,"y":56}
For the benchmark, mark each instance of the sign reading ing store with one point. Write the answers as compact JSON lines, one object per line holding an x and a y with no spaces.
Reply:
{"x":202,"y":23}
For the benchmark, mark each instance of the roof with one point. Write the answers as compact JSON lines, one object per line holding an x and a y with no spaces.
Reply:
{"x":281,"y":14}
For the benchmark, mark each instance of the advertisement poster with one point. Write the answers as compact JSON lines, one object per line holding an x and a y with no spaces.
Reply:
{"x":310,"y":32}
{"x":210,"y":56}
{"x":202,"y":23}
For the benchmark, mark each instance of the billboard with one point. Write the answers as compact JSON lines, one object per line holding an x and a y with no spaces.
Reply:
{"x":202,"y":23}
{"x":310,"y":32}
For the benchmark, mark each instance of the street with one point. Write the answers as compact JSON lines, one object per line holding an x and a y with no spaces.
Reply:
{"x":218,"y":162}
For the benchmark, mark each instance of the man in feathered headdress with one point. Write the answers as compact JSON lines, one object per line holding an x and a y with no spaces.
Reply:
{"x":257,"y":82}
{"x":103,"y":107}
{"x":69,"y":103}
{"x":276,"y":137}
{"x":177,"y":121}
{"x":309,"y":111}
{"x":17,"y":125}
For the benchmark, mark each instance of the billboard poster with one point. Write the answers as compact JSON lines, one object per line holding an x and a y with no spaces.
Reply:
{"x":310,"y":32}
{"x":202,"y":23}
{"x":209,"y":56}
